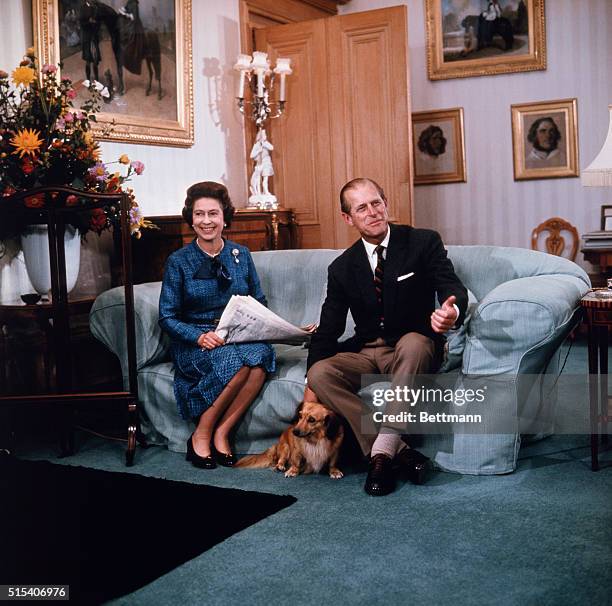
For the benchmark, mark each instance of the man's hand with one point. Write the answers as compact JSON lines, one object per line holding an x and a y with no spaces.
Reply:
{"x":444,"y":318}
{"x":309,"y":395}
{"x":210,"y":340}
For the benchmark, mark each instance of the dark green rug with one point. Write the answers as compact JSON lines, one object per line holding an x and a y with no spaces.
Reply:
{"x":107,"y":534}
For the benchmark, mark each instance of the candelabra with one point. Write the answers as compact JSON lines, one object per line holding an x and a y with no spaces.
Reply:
{"x":256,"y":72}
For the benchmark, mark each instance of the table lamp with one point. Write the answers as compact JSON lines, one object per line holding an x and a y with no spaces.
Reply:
{"x":599,"y":172}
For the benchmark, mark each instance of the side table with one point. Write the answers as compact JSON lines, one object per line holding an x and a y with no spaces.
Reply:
{"x":598,"y":312}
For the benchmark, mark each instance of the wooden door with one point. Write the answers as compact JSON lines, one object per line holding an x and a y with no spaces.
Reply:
{"x":348,"y":115}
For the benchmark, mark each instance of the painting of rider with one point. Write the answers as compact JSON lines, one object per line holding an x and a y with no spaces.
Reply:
{"x":128,"y":46}
{"x":484,"y":37}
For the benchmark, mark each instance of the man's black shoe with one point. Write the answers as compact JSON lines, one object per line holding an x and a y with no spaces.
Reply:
{"x":381,"y":476}
{"x":415,"y":465}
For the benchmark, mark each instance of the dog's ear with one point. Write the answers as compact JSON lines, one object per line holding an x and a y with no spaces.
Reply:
{"x":332,"y":425}
{"x":296,"y":416}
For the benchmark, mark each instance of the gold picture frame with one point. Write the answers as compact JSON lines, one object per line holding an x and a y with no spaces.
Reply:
{"x":438,"y":146}
{"x":83,"y":41}
{"x":545,"y":139}
{"x":606,"y":217}
{"x":465,"y":43}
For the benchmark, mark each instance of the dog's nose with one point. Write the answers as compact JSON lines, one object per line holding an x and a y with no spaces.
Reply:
{"x":296,"y":432}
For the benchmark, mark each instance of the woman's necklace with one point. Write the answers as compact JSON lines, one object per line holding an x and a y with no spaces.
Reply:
{"x":206,"y":252}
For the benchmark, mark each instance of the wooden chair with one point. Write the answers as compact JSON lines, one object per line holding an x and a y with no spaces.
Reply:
{"x":555,"y":242}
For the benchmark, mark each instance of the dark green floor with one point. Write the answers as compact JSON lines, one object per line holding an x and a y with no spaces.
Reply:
{"x":542,"y":535}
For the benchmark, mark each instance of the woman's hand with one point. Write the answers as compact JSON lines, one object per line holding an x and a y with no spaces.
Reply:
{"x":309,"y":327}
{"x":210,"y":340}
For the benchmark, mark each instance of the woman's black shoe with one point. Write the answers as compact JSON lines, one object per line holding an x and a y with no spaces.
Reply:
{"x":227,"y":460}
{"x":196,"y":460}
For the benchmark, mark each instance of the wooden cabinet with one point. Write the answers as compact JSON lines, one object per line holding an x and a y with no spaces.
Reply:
{"x":347,"y":116}
{"x":256,"y":229}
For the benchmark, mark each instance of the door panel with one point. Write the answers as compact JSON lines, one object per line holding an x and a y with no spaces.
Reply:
{"x":348,"y":115}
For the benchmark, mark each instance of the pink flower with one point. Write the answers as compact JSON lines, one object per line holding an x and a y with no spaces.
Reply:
{"x":68,"y":117}
{"x":138,"y":167}
{"x":60,"y":124}
{"x":98,"y":171}
{"x":71,"y":200}
{"x":71,"y":94}
{"x":49,"y":69}
{"x":79,"y":115}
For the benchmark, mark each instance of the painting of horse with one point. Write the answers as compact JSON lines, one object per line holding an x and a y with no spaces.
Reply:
{"x":130,"y":42}
{"x":140,"y":50}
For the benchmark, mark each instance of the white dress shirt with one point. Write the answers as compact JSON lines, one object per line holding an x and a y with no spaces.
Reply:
{"x":371,"y":250}
{"x":373,"y":257}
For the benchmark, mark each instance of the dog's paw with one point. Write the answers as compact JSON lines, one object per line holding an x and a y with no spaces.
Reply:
{"x":292,"y":472}
{"x":280,"y":468}
{"x":335,"y":473}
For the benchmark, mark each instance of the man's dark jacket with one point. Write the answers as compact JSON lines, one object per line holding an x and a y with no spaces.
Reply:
{"x":408,"y":304}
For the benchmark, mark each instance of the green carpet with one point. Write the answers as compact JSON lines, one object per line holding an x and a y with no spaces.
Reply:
{"x":540,"y":536}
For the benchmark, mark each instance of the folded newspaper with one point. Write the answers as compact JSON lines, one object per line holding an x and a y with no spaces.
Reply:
{"x":246,"y":319}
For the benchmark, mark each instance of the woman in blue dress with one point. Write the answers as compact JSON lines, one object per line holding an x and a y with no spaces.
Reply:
{"x":214,"y":383}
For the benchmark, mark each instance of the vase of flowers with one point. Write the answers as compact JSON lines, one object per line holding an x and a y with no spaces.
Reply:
{"x":45,"y":140}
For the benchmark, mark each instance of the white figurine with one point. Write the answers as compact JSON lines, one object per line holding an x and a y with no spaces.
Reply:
{"x":262,"y":170}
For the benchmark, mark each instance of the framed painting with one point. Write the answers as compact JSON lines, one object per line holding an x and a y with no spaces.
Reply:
{"x":484,"y":37}
{"x":438,"y":146}
{"x":606,"y":217}
{"x":545,"y":139}
{"x":141,"y":51}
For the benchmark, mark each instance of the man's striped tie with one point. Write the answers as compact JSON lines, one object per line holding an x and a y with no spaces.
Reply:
{"x":379,"y":274}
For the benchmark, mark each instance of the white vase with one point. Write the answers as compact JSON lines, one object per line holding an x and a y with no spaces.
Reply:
{"x":35,"y":246}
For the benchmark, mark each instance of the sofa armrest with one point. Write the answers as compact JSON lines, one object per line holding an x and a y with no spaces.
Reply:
{"x":518,"y":322}
{"x":107,"y":324}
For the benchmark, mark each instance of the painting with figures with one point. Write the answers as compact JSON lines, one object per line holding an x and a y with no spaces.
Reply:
{"x":138,"y":50}
{"x":127,"y":45}
{"x":484,"y":37}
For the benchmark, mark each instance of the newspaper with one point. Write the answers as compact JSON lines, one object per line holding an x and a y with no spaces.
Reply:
{"x":246,"y":319}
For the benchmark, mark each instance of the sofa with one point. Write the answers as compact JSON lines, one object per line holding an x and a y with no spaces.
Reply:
{"x":523,"y":304}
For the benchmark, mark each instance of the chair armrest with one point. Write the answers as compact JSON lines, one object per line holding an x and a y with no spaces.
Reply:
{"x":107,"y":324}
{"x":516,"y":324}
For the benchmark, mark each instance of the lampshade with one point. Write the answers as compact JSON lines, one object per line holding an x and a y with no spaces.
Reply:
{"x":599,"y":172}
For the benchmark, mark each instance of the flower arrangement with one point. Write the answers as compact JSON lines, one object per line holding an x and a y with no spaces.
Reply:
{"x":44,"y":140}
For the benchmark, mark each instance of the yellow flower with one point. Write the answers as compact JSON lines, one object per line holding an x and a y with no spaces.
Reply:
{"x":23,"y":75}
{"x":95,"y":152}
{"x":26,"y":141}
{"x":124,"y":159}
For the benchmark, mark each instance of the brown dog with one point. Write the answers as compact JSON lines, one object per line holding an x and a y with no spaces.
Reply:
{"x":305,"y":447}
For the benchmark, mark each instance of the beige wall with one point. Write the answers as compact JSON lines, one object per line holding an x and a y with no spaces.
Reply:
{"x":492,"y":208}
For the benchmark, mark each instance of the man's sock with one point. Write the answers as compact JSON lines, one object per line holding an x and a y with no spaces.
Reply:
{"x":388,"y":444}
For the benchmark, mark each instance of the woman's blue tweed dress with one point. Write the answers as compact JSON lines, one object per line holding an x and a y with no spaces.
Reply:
{"x":189,"y":306}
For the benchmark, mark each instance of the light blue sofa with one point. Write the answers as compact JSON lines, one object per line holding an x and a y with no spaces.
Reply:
{"x":523,"y":305}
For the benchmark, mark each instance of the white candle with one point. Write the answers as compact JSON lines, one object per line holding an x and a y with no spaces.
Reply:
{"x":283,"y":68}
{"x":241,"y":85}
{"x":260,"y":65}
{"x":243,"y":65}
{"x":260,"y":83}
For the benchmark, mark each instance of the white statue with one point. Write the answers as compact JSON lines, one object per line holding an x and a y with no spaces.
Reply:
{"x":262,"y":170}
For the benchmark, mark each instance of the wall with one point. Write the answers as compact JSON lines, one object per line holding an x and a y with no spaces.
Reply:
{"x":492,"y":208}
{"x":218,"y":153}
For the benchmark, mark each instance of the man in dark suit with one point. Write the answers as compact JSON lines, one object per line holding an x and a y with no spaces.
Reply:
{"x":388,"y":280}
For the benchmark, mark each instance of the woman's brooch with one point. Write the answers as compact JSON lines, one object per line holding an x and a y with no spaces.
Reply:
{"x":236,"y":252}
